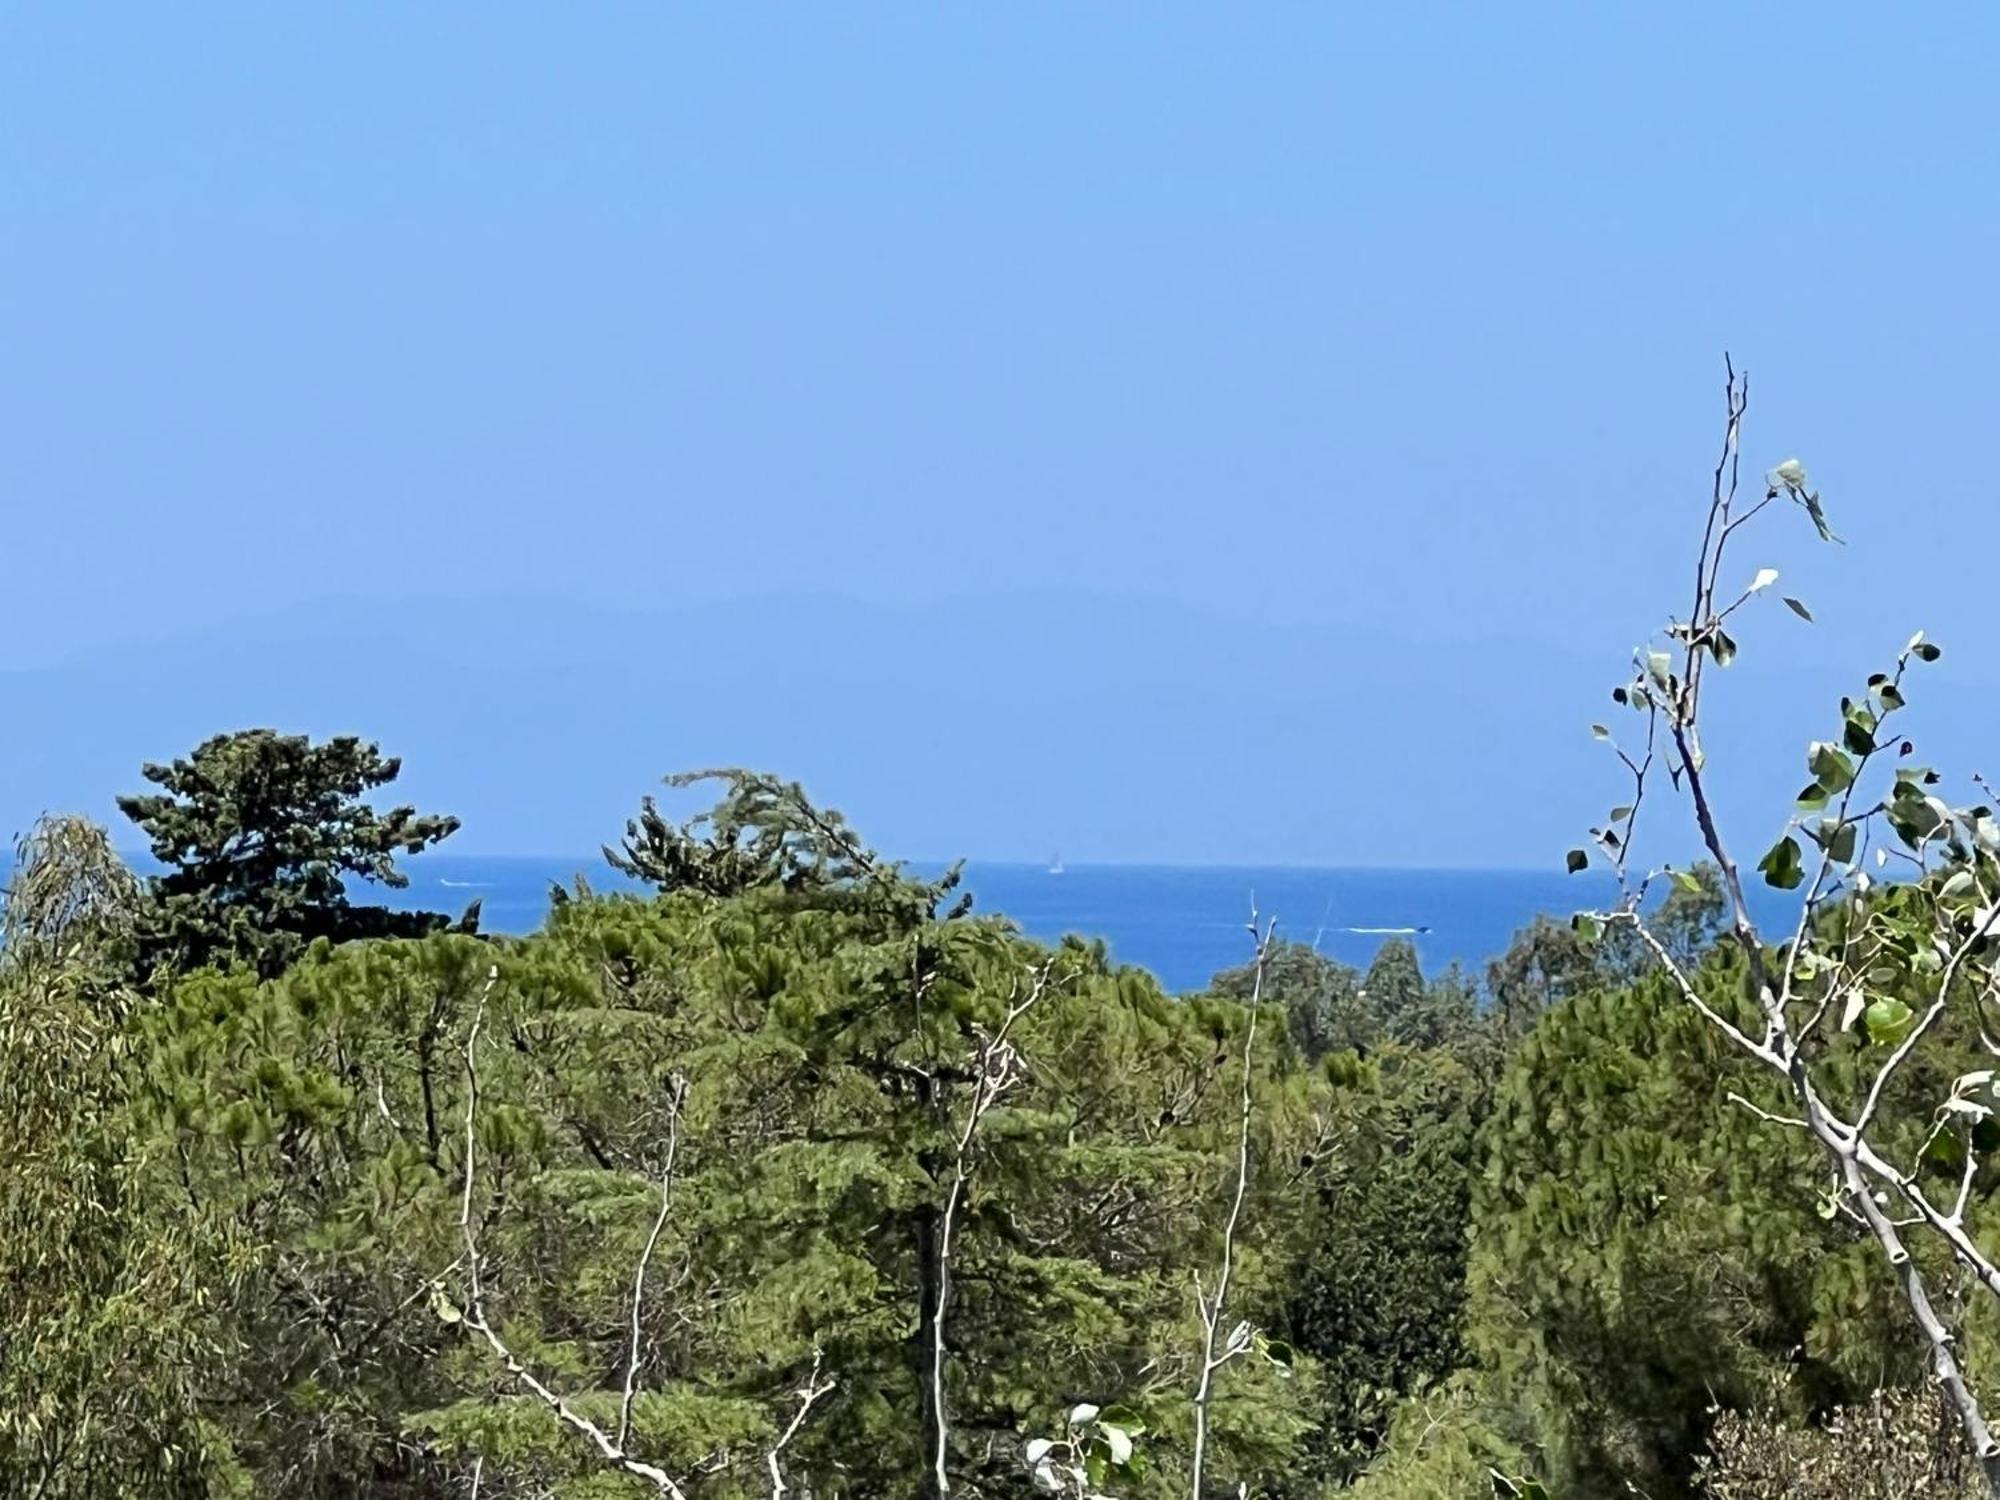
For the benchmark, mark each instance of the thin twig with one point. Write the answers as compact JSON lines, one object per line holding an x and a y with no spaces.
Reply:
{"x":1764,"y":1114}
{"x":676,"y":1093}
{"x":1212,"y":1308}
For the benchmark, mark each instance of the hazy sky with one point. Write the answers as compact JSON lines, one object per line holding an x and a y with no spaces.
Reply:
{"x":1398,"y":316}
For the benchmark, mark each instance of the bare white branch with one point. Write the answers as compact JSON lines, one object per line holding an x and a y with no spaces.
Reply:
{"x":997,"y":1067}
{"x":1211,"y":1308}
{"x":1764,"y":1114}
{"x":676,"y":1095}
{"x":475,"y":1314}
{"x":808,"y":1394}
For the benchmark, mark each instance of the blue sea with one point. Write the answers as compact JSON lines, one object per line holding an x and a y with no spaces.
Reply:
{"x":1183,"y":923}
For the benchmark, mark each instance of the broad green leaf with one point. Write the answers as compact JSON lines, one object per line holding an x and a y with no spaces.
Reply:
{"x":1888,"y":1021}
{"x":1945,"y":1148}
{"x":1782,"y":866}
{"x":1837,"y":838}
{"x":1576,"y":860}
{"x":1798,"y":608}
{"x":1915,"y":818}
{"x":1834,"y":770}
{"x":1119,"y":1415}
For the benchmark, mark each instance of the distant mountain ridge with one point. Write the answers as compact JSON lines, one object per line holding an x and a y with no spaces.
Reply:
{"x":1113,"y":728}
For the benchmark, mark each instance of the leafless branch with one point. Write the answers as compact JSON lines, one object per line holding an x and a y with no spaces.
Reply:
{"x":808,"y":1394}
{"x":1212,"y":1307}
{"x":475,"y":1314}
{"x":1764,"y":1114}
{"x":997,"y":1067}
{"x":676,"y":1095}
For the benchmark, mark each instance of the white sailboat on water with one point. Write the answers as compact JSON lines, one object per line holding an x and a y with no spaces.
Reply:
{"x":1056,"y":865}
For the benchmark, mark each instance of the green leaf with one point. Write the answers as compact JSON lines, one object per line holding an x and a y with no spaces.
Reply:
{"x":1120,"y":1415}
{"x":1812,"y":798}
{"x":1589,"y":929}
{"x":1834,"y":770}
{"x":1836,"y":837}
{"x":442,"y":1306}
{"x":1798,"y":608}
{"x":1576,"y":860}
{"x":1928,"y":652}
{"x":1945,"y":1149}
{"x":1858,"y":738}
{"x":1686,"y":881}
{"x":1721,"y":647}
{"x":1599,"y":732}
{"x":1888,"y":1021}
{"x":1914,"y":816}
{"x":1782,"y":866}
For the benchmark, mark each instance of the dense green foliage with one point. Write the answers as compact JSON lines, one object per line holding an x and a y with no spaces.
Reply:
{"x":346,"y":1207}
{"x":98,"y":1356}
{"x":259,"y":833}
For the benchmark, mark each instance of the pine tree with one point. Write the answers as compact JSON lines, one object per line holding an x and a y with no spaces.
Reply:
{"x":259,"y":833}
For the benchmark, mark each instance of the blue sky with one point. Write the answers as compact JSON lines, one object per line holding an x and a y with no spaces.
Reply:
{"x":1398,"y":321}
